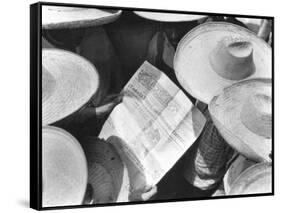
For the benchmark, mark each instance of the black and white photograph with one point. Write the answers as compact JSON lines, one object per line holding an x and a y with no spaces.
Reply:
{"x":145,"y":106}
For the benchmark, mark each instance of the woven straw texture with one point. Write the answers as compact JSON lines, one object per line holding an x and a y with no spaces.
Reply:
{"x":107,"y":173}
{"x":68,"y":82}
{"x":57,"y":17}
{"x":256,"y":179}
{"x":64,"y":168}
{"x":192,"y":61}
{"x":206,"y":166}
{"x":242,"y":114}
{"x":236,"y":168}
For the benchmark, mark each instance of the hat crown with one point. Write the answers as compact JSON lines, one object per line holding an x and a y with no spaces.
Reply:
{"x":232,"y":58}
{"x":256,"y":115}
{"x":48,"y":84}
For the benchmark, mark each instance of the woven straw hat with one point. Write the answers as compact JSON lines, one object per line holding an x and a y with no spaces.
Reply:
{"x":242,"y":115}
{"x":168,"y":17}
{"x":256,"y":179}
{"x":237,"y":167}
{"x":68,"y":82}
{"x":217,"y":54}
{"x":107,"y":173}
{"x":64,"y":168}
{"x":59,"y":17}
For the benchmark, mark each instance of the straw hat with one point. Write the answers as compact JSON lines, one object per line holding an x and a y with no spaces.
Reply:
{"x":237,"y":167}
{"x":64,"y":168}
{"x":168,"y":17}
{"x":54,"y":17}
{"x":107,"y":173}
{"x":256,"y":179}
{"x":215,"y":55}
{"x":242,"y":115}
{"x":68,"y":82}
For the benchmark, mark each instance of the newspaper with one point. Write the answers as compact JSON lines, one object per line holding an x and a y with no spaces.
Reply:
{"x":153,"y":126}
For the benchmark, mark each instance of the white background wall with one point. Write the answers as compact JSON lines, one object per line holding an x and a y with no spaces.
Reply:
{"x":14,"y":106}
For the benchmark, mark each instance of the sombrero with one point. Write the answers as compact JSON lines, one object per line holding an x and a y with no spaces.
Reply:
{"x":217,"y":54}
{"x":59,"y":17}
{"x":68,"y":82}
{"x":242,"y":115}
{"x":107,"y":173}
{"x":64,"y":168}
{"x":168,"y":17}
{"x":237,"y":167}
{"x":254,"y":180}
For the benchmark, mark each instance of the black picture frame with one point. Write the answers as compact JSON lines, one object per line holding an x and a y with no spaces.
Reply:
{"x":36,"y":104}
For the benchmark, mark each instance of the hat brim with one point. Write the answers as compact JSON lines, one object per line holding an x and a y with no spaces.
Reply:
{"x":225,"y":110}
{"x":102,"y":183}
{"x":74,"y":80}
{"x":191,"y":62}
{"x":58,"y":17}
{"x":107,"y":172}
{"x":254,"y":180}
{"x":168,"y":17}
{"x":239,"y":165}
{"x":64,"y":168}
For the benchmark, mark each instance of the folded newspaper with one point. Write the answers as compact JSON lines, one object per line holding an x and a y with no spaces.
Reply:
{"x":153,"y":126}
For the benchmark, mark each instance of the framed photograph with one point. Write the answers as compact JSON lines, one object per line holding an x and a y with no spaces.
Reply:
{"x":134,"y":105}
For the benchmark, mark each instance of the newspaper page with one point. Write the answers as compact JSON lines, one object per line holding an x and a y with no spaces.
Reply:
{"x":153,"y":126}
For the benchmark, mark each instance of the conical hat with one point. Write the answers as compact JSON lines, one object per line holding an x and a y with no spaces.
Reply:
{"x":168,"y":17}
{"x":64,"y":168}
{"x":254,"y":180}
{"x":107,"y":173}
{"x":215,"y":55}
{"x":68,"y":82}
{"x":59,"y":17}
{"x":242,"y":115}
